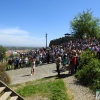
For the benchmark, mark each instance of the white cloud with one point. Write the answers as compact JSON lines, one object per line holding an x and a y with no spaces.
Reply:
{"x":18,"y":37}
{"x":13,"y":31}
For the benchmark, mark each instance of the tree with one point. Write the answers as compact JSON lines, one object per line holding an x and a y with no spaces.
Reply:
{"x":2,"y":53}
{"x":85,"y":24}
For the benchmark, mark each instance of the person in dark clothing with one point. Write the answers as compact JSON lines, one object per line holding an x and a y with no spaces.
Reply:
{"x":77,"y":63}
{"x":20,"y":63}
{"x":14,"y":60}
{"x":17,"y":62}
{"x":48,"y":57}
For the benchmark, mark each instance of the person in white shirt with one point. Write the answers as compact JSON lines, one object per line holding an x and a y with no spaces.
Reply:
{"x":32,"y":66}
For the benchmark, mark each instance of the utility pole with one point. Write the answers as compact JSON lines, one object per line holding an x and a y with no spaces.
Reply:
{"x":46,"y":39}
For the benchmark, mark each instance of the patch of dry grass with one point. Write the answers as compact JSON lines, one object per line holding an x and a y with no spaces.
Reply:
{"x":3,"y":75}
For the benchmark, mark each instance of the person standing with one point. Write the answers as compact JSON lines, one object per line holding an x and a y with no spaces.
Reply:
{"x":25,"y":61}
{"x":17,"y":62}
{"x":58,"y":63}
{"x":20,"y":63}
{"x":52,"y":56}
{"x":73,"y":61}
{"x":9,"y":64}
{"x":48,"y":56}
{"x":64,"y":62}
{"x":32,"y":66}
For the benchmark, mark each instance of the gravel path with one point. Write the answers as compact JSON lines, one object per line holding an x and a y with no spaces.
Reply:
{"x":78,"y":92}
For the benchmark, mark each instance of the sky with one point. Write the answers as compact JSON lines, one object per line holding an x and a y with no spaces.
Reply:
{"x":25,"y":23}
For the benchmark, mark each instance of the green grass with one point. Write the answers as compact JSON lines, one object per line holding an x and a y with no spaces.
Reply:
{"x":52,"y":89}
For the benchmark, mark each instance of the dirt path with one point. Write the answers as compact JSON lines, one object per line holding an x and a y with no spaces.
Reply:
{"x":77,"y":91}
{"x":23,"y":74}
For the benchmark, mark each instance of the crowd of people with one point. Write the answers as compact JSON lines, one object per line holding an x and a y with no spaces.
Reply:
{"x":66,"y":56}
{"x":31,"y":59}
{"x":69,"y":53}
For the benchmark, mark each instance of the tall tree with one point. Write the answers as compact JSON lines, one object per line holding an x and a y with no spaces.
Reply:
{"x":85,"y":24}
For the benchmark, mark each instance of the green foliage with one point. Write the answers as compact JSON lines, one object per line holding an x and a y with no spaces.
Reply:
{"x":2,"y":53}
{"x":2,"y":67}
{"x":55,"y":90}
{"x":3,"y":75}
{"x":89,"y":70}
{"x":84,"y":23}
{"x":12,"y":55}
{"x":60,"y":40}
{"x":96,"y":83}
{"x":85,"y":57}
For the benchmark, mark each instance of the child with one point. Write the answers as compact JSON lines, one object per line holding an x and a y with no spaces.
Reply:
{"x":33,"y":67}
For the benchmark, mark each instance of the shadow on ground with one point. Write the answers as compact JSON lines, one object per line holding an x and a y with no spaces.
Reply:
{"x":26,"y":75}
{"x":58,"y":77}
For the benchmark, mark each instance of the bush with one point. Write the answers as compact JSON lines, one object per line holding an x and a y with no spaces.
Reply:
{"x":90,"y":73}
{"x":3,"y":75}
{"x":85,"y":57}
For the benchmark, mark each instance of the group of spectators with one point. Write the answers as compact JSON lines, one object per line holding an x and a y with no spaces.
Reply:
{"x":41,"y":56}
{"x":64,"y":54}
{"x":69,"y":53}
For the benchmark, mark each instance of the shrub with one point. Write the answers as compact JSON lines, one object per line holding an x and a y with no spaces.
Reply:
{"x":2,"y":67}
{"x":85,"y":57}
{"x":96,"y":83}
{"x":3,"y":75}
{"x":90,"y":73}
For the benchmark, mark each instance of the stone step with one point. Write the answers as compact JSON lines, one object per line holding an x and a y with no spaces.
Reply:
{"x":5,"y":95}
{"x":14,"y":98}
{"x":1,"y":89}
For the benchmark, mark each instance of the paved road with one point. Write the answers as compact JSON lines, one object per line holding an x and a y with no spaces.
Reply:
{"x":23,"y":74}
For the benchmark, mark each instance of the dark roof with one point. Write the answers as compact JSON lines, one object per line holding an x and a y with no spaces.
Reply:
{"x":67,"y":34}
